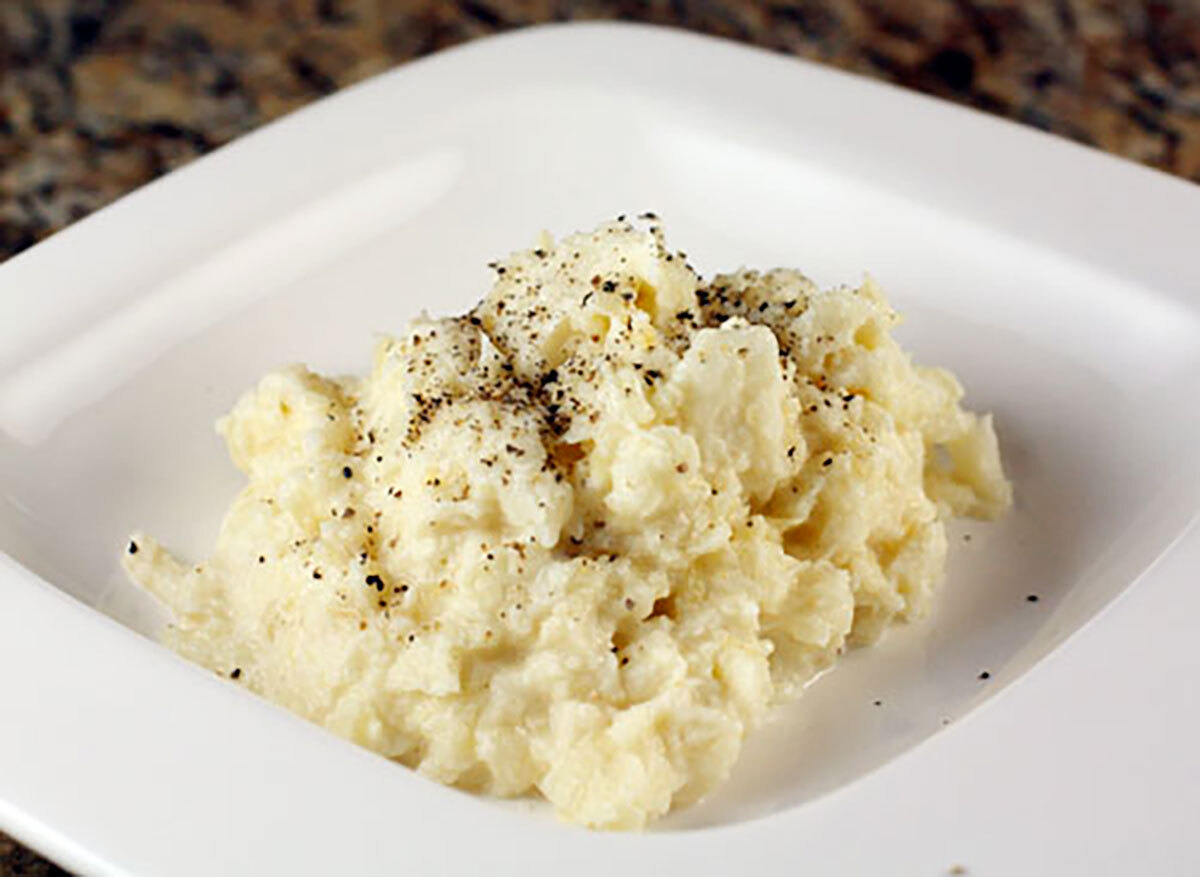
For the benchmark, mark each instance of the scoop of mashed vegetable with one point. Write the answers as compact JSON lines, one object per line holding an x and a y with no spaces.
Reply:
{"x":579,"y":540}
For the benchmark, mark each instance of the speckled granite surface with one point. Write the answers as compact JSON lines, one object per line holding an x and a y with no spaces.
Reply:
{"x":99,"y":96}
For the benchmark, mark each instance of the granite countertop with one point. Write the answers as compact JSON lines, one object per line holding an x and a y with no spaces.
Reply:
{"x":98,"y":97}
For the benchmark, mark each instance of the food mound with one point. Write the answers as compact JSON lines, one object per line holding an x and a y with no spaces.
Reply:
{"x":579,"y":540}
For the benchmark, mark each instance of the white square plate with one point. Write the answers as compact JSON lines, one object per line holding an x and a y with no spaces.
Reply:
{"x":1061,"y":285}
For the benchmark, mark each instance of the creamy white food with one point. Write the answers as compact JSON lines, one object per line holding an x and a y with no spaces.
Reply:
{"x":579,"y":541}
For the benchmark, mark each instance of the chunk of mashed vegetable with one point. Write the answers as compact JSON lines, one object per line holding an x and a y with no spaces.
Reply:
{"x":579,"y":540}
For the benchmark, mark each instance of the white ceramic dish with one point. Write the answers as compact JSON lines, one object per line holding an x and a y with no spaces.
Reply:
{"x":1061,"y":285}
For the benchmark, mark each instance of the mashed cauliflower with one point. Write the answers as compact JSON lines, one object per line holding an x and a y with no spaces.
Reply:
{"x":582,"y":538}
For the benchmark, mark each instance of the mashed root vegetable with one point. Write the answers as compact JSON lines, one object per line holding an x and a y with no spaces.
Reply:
{"x":582,"y":538}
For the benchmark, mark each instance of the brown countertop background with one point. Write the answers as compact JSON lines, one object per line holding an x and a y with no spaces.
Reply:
{"x":98,"y":97}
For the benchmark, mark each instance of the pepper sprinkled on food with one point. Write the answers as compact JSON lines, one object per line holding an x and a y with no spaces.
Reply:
{"x":589,"y":531}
